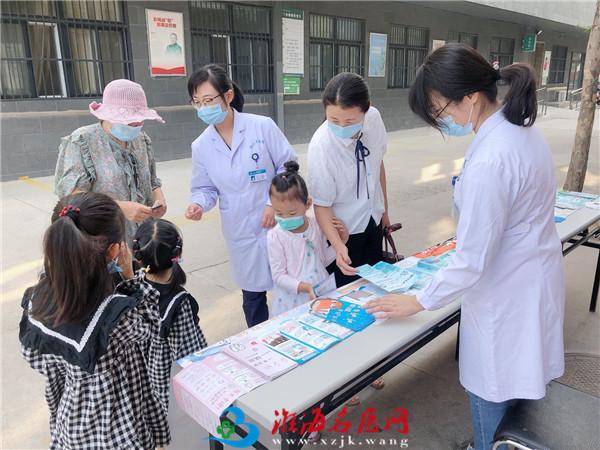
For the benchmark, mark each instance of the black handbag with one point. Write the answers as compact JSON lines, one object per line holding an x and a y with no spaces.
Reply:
{"x":390,"y":254}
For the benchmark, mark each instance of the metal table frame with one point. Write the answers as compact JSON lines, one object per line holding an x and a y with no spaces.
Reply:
{"x":583,"y":238}
{"x":292,"y":441}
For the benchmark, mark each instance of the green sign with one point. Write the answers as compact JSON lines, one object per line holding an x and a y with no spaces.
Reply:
{"x":529,"y":43}
{"x":293,"y":13}
{"x":291,"y":85}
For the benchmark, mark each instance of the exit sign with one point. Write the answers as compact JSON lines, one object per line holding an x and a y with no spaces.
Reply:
{"x":529,"y":43}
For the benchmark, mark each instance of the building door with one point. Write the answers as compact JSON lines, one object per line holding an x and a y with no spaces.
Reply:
{"x":575,"y":71}
{"x":538,"y":61}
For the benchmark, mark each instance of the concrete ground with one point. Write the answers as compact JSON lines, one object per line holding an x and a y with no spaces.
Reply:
{"x":419,"y":165}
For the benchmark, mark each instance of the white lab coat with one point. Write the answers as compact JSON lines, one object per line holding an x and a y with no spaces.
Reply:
{"x":508,"y":265}
{"x":223,"y":174}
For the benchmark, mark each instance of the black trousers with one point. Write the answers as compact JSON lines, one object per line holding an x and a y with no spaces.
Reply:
{"x":363,"y":248}
{"x":255,"y":307}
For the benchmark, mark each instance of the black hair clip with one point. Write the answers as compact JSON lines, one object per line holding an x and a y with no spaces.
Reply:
{"x":137,"y":254}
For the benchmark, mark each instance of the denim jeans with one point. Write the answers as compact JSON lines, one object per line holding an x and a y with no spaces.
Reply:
{"x":486,"y":417}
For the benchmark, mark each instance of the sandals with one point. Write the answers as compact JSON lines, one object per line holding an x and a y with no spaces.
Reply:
{"x":314,"y":437}
{"x":378,"y":385}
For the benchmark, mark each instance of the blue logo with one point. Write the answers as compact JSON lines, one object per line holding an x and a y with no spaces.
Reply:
{"x":227,"y":429}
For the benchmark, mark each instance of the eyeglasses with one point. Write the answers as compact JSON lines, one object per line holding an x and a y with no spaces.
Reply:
{"x":204,"y":102}
{"x":437,"y":116}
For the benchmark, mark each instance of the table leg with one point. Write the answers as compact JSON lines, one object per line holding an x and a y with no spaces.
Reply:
{"x":290,"y":441}
{"x":456,"y":350}
{"x":594,"y":298}
{"x":215,"y":445}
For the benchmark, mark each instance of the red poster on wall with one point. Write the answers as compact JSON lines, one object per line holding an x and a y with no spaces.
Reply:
{"x":165,"y":43}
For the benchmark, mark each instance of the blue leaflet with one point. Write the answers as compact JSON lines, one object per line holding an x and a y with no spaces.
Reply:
{"x":387,"y":276}
{"x":350,"y":315}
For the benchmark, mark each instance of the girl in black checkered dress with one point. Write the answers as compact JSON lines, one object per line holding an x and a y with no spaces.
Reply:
{"x":89,"y":338}
{"x":157,"y":247}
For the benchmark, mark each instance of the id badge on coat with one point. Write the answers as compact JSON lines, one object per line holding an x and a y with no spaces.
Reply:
{"x":257,"y":175}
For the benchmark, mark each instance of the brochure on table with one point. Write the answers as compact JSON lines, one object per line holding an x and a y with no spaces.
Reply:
{"x":213,"y":378}
{"x":568,"y":202}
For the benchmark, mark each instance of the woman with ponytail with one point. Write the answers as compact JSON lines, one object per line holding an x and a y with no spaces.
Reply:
{"x":89,"y":338}
{"x":233,"y":161}
{"x":507,"y":269}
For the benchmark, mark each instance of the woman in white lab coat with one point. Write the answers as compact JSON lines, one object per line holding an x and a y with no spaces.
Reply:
{"x":234,"y":161}
{"x":508,"y":267}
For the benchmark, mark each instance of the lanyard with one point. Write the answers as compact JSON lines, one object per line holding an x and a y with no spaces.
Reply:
{"x":360,"y":153}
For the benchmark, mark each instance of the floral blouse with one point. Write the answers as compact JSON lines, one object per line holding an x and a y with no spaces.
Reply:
{"x":89,"y":160}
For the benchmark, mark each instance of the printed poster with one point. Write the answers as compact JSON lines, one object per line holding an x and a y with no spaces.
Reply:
{"x":292,"y":34}
{"x":166,"y":45}
{"x":377,"y":54}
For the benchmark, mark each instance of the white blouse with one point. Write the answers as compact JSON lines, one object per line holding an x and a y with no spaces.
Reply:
{"x":332,"y":173}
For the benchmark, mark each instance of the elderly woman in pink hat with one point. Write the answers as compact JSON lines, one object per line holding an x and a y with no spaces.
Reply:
{"x":114,"y":156}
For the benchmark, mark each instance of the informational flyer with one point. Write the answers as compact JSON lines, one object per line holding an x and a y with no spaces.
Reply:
{"x":567,"y":202}
{"x":363,"y":294}
{"x":325,"y":287}
{"x":166,"y":44}
{"x":350,"y":315}
{"x":198,"y":356}
{"x":308,"y":335}
{"x":327,"y":327}
{"x":290,"y":348}
{"x":387,"y":276}
{"x":438,"y":249}
{"x":321,"y":306}
{"x":256,"y":354}
{"x":206,"y":388}
{"x":432,"y":264}
{"x":573,"y":200}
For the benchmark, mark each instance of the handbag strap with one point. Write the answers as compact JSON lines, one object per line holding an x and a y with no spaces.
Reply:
{"x":388,"y":239}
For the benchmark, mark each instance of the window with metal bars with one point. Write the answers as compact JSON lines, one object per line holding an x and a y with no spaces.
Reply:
{"x":336,"y":45}
{"x":558,"y":64}
{"x":408,"y":48}
{"x":237,"y":36}
{"x":502,"y":50}
{"x":463,"y":38}
{"x":55,"y":49}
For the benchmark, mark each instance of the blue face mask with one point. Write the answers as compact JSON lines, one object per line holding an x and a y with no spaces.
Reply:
{"x":290,"y":223}
{"x":125,"y":133}
{"x":113,"y":266}
{"x":344,"y":132}
{"x":211,"y":115}
{"x":451,"y":128}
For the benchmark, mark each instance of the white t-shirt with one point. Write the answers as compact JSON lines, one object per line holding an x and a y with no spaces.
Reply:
{"x":332,"y":175}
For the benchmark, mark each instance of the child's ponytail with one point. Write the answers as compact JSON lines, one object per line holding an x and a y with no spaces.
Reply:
{"x":520,"y":103}
{"x":76,"y":278}
{"x":290,"y":183}
{"x":158,"y":246}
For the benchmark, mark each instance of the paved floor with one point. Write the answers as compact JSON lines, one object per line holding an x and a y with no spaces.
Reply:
{"x":419,"y":165}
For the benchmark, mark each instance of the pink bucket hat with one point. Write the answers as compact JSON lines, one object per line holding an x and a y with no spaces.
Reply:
{"x":124,"y":102}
